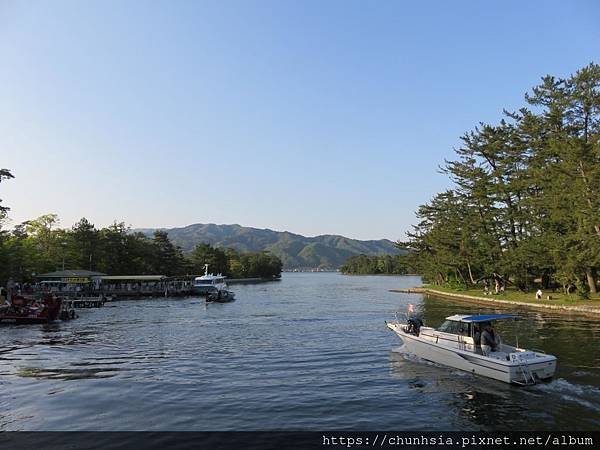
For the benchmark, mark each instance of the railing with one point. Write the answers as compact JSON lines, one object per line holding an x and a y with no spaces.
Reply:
{"x":528,"y":376}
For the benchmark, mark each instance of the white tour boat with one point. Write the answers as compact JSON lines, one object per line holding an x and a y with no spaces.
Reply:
{"x":462,"y":342}
{"x":209,"y":283}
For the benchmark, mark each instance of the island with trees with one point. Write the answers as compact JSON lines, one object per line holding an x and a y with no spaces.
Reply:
{"x":376,"y":265}
{"x":525,"y":205}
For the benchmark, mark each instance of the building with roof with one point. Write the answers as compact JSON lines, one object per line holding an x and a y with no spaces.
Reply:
{"x":71,"y":276}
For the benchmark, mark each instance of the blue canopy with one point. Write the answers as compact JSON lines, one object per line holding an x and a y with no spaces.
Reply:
{"x":488,"y":317}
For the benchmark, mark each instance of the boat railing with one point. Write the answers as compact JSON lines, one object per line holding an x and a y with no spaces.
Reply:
{"x":462,"y":345}
{"x":527,"y":374}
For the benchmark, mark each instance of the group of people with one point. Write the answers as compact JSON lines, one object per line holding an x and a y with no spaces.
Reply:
{"x":486,"y":338}
{"x":499,"y":285}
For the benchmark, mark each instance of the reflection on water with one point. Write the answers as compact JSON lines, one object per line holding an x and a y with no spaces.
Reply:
{"x":310,"y":352}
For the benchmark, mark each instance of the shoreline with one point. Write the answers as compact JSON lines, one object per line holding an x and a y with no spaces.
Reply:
{"x":572,"y":309}
{"x":254,"y":280}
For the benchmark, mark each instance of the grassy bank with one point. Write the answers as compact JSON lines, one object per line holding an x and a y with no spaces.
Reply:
{"x":558,"y":298}
{"x":559,"y":302}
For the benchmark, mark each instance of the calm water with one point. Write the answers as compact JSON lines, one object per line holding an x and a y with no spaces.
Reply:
{"x":308,"y":353}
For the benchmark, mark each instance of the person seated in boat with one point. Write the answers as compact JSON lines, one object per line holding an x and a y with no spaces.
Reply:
{"x":490,"y":341}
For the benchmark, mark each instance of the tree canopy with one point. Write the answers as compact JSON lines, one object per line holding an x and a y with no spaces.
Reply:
{"x":40,"y":245}
{"x":5,"y":174}
{"x":375,"y":265}
{"x":526,"y":197}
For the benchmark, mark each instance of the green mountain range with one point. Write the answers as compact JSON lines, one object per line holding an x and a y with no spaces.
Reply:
{"x":296,"y":251}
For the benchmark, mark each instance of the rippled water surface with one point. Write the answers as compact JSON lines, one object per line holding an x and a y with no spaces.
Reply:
{"x":310,"y":352}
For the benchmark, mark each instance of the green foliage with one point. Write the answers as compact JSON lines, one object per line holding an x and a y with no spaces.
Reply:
{"x":39,"y":246}
{"x":373,"y":265}
{"x":214,"y":257}
{"x":526,"y":195}
{"x":234,"y":264}
{"x":168,"y":259}
{"x":4,"y":175}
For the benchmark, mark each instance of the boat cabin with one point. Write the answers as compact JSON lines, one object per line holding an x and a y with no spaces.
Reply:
{"x":466,"y":325}
{"x":209,"y":280}
{"x":463,"y":331}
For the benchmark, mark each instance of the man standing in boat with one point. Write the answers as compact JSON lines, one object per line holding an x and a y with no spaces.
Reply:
{"x":489,"y":339}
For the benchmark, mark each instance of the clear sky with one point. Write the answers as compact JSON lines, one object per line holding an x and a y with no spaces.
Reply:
{"x":309,"y":116}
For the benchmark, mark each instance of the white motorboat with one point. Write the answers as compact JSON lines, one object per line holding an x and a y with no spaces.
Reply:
{"x":209,"y":283}
{"x":220,"y":296}
{"x":457,"y":343}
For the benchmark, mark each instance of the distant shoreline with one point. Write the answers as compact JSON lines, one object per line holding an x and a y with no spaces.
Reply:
{"x":573,"y":309}
{"x":382,"y":274}
{"x":251,"y":280}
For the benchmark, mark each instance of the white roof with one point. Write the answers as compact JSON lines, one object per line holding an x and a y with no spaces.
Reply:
{"x":209,"y":277}
{"x":481,"y":317}
{"x":457,"y":317}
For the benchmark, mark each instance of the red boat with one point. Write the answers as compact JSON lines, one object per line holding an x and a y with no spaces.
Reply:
{"x":22,"y":310}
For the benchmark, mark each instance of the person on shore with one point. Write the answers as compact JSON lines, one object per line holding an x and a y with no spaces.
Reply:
{"x":486,"y":287}
{"x":496,"y":283}
{"x":538,"y":294}
{"x":490,"y":341}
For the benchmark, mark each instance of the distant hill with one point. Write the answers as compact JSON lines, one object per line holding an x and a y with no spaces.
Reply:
{"x":296,"y":251}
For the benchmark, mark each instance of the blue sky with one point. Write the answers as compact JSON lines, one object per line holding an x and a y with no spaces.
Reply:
{"x":309,"y":116}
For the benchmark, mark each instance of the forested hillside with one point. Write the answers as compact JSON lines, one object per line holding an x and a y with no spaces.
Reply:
{"x":294,"y":250}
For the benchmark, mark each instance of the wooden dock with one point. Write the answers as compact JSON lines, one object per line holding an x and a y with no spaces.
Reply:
{"x":85,"y":302}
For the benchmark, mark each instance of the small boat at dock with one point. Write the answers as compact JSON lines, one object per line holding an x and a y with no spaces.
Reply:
{"x":220,"y":296}
{"x":24,"y":310}
{"x":469,"y":343}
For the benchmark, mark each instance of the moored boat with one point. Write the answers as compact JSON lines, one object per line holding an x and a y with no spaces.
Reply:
{"x":208,"y":282}
{"x":220,"y":296}
{"x":470,"y":343}
{"x":23,"y":310}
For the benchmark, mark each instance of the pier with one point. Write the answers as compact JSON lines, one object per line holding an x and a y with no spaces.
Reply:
{"x":85,"y":302}
{"x":84,"y":288}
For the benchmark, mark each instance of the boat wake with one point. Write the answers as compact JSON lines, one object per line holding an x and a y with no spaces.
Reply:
{"x":584,"y":395}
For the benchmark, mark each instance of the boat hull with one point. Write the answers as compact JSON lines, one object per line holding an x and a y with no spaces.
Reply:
{"x":19,"y":320}
{"x":22,"y":311}
{"x":221,"y":297}
{"x":541,"y":368}
{"x":201,"y":290}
